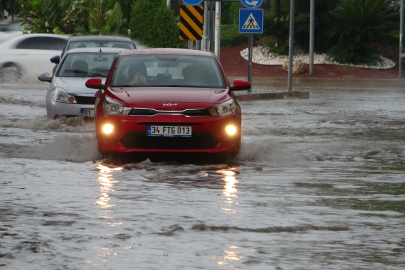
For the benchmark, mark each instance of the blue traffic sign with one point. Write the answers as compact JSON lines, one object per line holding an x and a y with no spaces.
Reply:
{"x":251,"y":21}
{"x":193,"y":2}
{"x":251,"y":3}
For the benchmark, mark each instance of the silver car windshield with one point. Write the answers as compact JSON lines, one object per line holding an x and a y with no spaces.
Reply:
{"x":86,"y":65}
{"x":167,"y":71}
{"x":101,"y":44}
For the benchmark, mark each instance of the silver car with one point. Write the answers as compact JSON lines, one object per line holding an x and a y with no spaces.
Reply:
{"x":67,"y":94}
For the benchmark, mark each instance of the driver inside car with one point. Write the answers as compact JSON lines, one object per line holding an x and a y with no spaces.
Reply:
{"x":138,"y":74}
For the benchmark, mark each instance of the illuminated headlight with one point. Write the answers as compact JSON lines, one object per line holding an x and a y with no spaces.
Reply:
{"x":108,"y":129}
{"x":59,"y":94}
{"x":112,"y":107}
{"x":226,"y":108}
{"x":230,"y":129}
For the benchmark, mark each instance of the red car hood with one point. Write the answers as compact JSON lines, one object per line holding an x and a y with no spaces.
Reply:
{"x":169,"y":98}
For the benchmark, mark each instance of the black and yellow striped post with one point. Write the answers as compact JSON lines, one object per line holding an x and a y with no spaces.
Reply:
{"x":191,"y":22}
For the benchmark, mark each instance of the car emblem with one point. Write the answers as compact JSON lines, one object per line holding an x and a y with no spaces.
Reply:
{"x":169,"y":104}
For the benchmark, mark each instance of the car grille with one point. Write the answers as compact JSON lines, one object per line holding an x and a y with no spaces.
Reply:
{"x":85,"y":100}
{"x":151,"y":112}
{"x":140,"y":139}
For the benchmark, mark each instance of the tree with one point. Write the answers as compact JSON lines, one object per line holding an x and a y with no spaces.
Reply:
{"x":278,"y":28}
{"x":72,"y":17}
{"x":230,"y":12}
{"x":12,"y":7}
{"x":97,"y":17}
{"x":154,"y":24}
{"x":175,"y":6}
{"x":126,"y":7}
{"x":39,"y":15}
{"x":277,"y":25}
{"x":324,"y":20}
{"x":277,"y":9}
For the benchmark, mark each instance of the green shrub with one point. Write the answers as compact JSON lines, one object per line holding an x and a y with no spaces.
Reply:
{"x":354,"y":53}
{"x":154,"y":24}
{"x":358,"y":24}
{"x":279,"y":29}
{"x":230,"y":36}
{"x":281,"y":47}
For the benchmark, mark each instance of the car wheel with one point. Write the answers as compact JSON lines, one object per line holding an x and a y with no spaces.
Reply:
{"x":229,"y":159}
{"x":10,"y":73}
{"x":225,"y":159}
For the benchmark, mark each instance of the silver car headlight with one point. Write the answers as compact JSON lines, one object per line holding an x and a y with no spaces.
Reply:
{"x":226,"y":108}
{"x":59,"y":94}
{"x":112,"y":107}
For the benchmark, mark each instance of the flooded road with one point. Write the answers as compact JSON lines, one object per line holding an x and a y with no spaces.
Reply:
{"x":318,"y":184}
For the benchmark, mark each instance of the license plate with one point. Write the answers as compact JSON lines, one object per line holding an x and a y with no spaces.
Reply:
{"x":170,"y":131}
{"x":87,"y":112}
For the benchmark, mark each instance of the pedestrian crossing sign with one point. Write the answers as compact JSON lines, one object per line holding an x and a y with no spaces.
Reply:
{"x":251,"y":21}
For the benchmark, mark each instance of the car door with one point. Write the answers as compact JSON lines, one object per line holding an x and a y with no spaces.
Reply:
{"x":33,"y":54}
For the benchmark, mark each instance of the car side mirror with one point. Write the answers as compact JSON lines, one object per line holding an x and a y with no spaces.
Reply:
{"x":55,"y":59}
{"x":239,"y":85}
{"x":44,"y":77}
{"x":95,"y":83}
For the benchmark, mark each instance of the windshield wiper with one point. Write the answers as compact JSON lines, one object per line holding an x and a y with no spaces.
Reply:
{"x":124,"y":85}
{"x":97,"y":74}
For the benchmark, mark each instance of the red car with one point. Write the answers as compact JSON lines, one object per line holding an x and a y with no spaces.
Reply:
{"x":167,"y":101}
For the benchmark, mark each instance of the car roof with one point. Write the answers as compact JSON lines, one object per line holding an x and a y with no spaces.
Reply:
{"x":15,"y":38}
{"x":100,"y":38}
{"x":166,"y":51}
{"x":95,"y":50}
{"x":39,"y":35}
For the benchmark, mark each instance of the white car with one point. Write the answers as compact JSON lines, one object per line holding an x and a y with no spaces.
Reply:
{"x":67,"y":94}
{"x":23,"y":57}
{"x":12,"y":26}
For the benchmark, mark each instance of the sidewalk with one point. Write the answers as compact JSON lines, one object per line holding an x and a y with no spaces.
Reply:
{"x":276,"y":87}
{"x":281,"y":82}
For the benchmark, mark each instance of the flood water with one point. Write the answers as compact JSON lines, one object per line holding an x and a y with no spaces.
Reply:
{"x":318,"y":184}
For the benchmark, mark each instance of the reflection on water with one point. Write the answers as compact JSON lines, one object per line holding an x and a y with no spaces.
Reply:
{"x":106,"y":183}
{"x":231,"y":255}
{"x":230,"y":182}
{"x":106,"y":186}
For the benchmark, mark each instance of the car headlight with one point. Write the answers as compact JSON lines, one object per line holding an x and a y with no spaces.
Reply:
{"x":59,"y":94}
{"x":226,"y":108}
{"x":112,"y":107}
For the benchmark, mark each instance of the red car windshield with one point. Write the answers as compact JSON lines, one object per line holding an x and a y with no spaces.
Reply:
{"x":167,"y":71}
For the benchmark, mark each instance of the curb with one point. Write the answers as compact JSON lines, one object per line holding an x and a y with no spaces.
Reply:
{"x":322,"y":83}
{"x":274,"y":95}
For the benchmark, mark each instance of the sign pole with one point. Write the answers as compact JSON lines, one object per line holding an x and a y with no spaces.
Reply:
{"x":205,"y":28}
{"x":291,"y":45}
{"x":217,"y":28}
{"x":251,"y":22}
{"x":401,"y":32}
{"x":212,"y":30}
{"x":250,"y":56}
{"x":208,"y":26}
{"x":311,"y":38}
